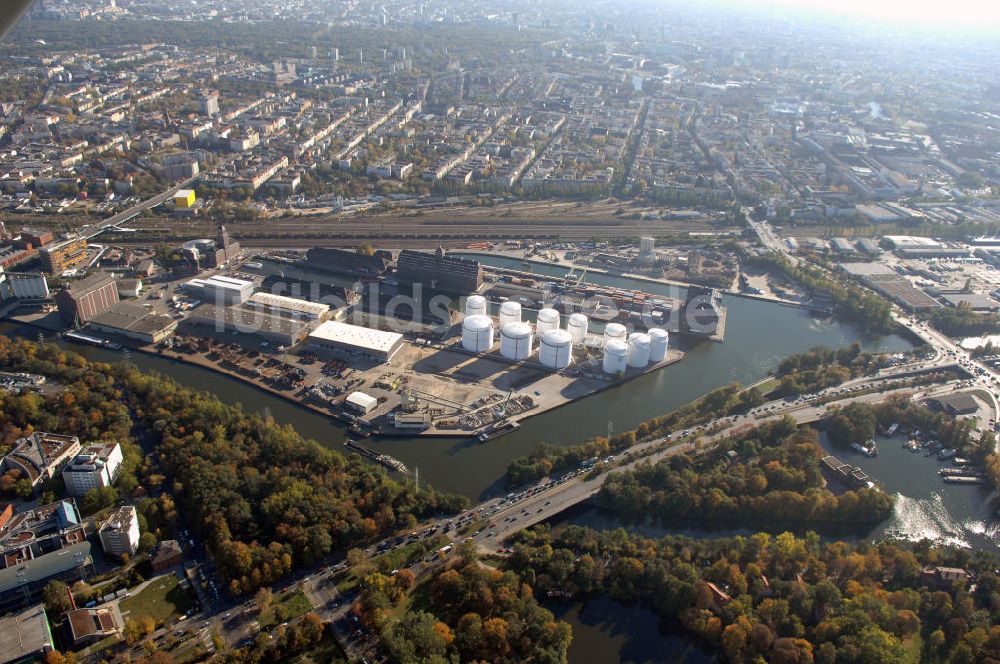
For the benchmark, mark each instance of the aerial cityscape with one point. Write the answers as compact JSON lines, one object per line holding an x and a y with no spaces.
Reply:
{"x":435,"y":332}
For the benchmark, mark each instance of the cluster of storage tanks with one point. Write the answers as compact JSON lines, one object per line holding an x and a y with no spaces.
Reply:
{"x":555,"y":349}
{"x":637,"y":350}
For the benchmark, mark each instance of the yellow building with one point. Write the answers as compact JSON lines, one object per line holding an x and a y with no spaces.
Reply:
{"x":184,"y":198}
{"x":61,"y":256}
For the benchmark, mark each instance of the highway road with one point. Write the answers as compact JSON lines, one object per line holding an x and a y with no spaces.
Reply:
{"x":137,"y":209}
{"x":540,"y":505}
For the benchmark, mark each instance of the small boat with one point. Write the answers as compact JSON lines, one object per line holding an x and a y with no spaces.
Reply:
{"x":946,"y":454}
{"x":891,"y":431}
{"x":869,"y":449}
{"x":965,"y":480}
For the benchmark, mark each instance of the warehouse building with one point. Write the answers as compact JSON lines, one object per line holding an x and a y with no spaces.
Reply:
{"x":274,"y":329}
{"x":342,"y":261}
{"x":28,"y":285}
{"x":292,"y":307}
{"x":134,"y":321}
{"x":355,"y":340}
{"x":222,"y":290}
{"x":360,"y":403}
{"x":438,"y":271}
{"x":82,"y":300}
{"x":119,"y":535}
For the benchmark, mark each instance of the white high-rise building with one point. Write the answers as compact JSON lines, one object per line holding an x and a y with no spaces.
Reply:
{"x":120,"y":533}
{"x":96,"y":465}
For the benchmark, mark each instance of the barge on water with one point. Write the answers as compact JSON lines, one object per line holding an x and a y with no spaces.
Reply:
{"x":384,"y":459}
{"x":964,"y":479}
{"x":81,"y":338}
{"x":496,"y":430}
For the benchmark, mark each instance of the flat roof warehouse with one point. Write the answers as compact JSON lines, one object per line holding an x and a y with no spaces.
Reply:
{"x":332,"y":335}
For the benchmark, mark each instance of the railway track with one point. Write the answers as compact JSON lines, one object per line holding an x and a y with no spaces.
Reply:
{"x":351,"y":233}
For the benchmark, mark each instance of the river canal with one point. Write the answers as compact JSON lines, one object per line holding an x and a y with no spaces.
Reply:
{"x":759,"y":334}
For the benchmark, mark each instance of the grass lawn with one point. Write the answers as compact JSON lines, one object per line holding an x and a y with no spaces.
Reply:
{"x":292,"y":605}
{"x":160,"y":600}
{"x":768,"y":385}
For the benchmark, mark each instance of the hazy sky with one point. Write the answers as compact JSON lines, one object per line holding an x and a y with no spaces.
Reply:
{"x":980,"y":13}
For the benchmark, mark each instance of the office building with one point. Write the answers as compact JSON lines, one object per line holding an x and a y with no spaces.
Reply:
{"x":184,"y":199}
{"x":120,"y":533}
{"x":66,"y":255}
{"x":97,"y":465}
{"x":82,"y":300}
{"x":40,"y":545}
{"x":40,"y":456}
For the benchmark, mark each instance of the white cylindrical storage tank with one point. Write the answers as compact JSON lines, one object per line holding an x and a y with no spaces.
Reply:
{"x":477,"y":333}
{"x":510,"y":312}
{"x":614,"y":331}
{"x":515,"y":340}
{"x":658,"y":344}
{"x":638,"y":350}
{"x":577,"y":326}
{"x":548,"y":319}
{"x":615,"y":356}
{"x":556,"y":349}
{"x":475,"y":306}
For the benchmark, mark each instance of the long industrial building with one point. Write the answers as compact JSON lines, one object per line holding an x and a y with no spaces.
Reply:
{"x":292,"y":307}
{"x":439,"y":271}
{"x":355,"y":340}
{"x":134,"y":321}
{"x":343,"y":261}
{"x":274,"y":329}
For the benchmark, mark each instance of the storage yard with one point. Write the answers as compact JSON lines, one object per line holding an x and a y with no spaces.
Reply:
{"x":499,"y":347}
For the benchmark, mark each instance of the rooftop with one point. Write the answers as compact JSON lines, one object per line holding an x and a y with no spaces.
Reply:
{"x":120,"y":519}
{"x":90,"y":283}
{"x":133,"y":318}
{"x":290,"y":303}
{"x":25,"y":634}
{"x":355,"y":335}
